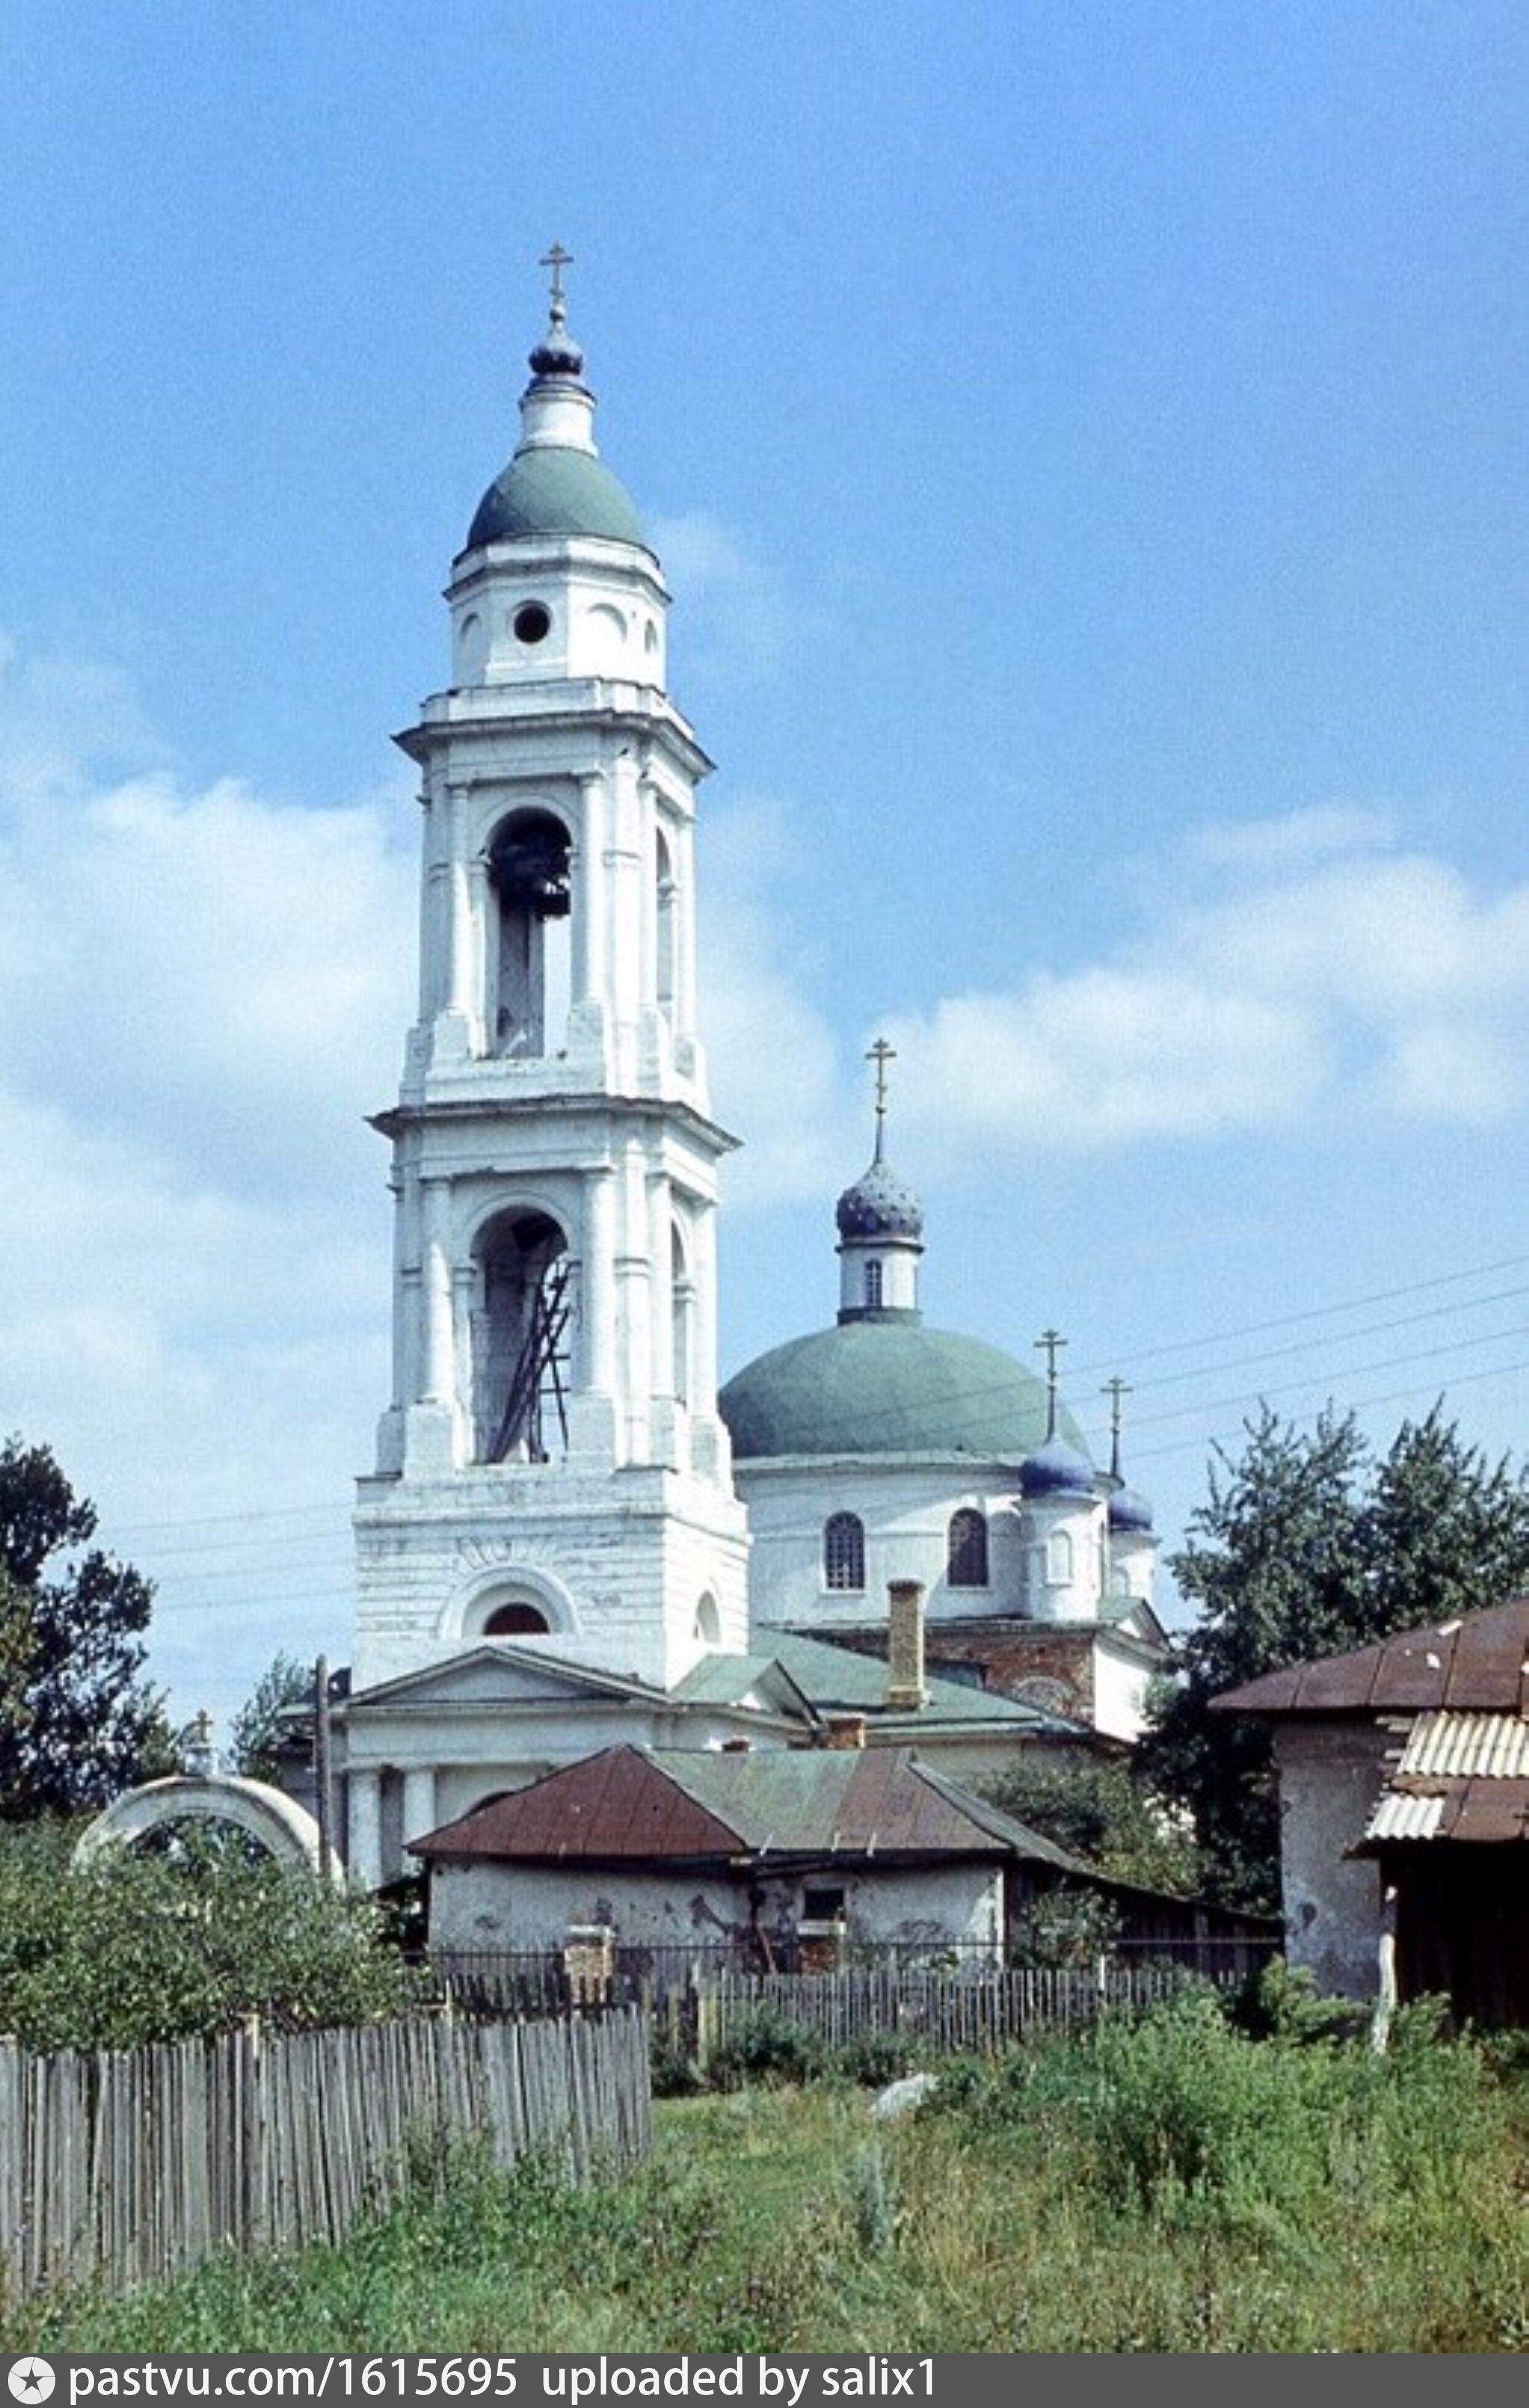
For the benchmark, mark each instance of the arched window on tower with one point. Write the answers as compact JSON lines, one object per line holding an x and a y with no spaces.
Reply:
{"x":520,"y":1327}
{"x":529,"y":965}
{"x":666,"y":905}
{"x":966,"y":1553}
{"x":873,"y":1285}
{"x":844,"y":1551}
{"x":683,"y":1306}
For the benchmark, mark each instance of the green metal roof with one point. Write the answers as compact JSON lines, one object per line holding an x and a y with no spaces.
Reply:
{"x":876,"y":1387}
{"x":555,"y":490}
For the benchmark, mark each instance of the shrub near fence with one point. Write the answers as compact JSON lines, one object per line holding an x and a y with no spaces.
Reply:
{"x":127,"y":2167}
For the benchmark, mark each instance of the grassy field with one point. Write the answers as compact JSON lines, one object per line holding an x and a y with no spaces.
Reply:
{"x":1175,"y":2185}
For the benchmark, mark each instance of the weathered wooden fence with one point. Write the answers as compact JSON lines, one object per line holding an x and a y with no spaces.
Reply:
{"x":941,"y":2009}
{"x":126,"y":2167}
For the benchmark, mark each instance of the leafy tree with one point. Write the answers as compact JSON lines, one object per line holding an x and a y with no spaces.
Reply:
{"x":141,"y":1944}
{"x":77,"y":1724}
{"x":1307,"y":1546}
{"x":262,"y":1731}
{"x":1100,"y":1810}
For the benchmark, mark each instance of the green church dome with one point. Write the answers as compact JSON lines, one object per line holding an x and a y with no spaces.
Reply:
{"x":555,"y":490}
{"x":888,"y":1385}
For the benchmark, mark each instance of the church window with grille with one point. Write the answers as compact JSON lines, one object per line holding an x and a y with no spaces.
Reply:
{"x":967,"y":1558}
{"x":873,"y":1285}
{"x":844,"y":1551}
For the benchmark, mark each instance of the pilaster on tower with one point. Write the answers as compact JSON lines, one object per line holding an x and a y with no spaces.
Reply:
{"x":554,"y":1161}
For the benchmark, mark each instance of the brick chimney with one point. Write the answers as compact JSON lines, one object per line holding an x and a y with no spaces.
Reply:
{"x":845,"y":1731}
{"x":905,"y":1647}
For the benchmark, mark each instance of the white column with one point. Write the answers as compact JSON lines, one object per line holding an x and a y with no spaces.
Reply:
{"x":437,"y":1294}
{"x":363,"y":1827}
{"x":595,"y":1279}
{"x":419,"y":1804}
{"x":588,"y":933}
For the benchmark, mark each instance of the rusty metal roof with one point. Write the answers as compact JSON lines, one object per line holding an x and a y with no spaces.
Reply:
{"x":698,"y":1803}
{"x":1478,"y":1662}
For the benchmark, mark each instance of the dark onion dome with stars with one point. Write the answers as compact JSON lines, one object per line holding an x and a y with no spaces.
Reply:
{"x":556,"y":486}
{"x":880,"y":1383}
{"x":880,"y":1205}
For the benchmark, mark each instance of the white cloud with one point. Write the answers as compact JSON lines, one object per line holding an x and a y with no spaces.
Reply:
{"x":735,"y":607}
{"x":1324,"y":972}
{"x":202,"y":993}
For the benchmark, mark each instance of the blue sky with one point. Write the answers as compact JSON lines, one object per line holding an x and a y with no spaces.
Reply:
{"x":1086,"y":442}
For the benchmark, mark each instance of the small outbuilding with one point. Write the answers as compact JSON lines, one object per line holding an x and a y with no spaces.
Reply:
{"x":781,"y":1858}
{"x":1404,"y":1795}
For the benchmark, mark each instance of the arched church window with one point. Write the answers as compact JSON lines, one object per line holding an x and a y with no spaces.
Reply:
{"x":520,"y":1316}
{"x":966,"y":1554}
{"x":684,"y":1308}
{"x":515,"y":1622}
{"x":844,"y":1551}
{"x":873,"y":1285}
{"x":665,"y":913}
{"x":529,"y":966}
{"x":1058,"y":1558}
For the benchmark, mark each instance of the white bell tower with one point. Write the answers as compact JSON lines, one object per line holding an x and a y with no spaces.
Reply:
{"x":552,"y":1461}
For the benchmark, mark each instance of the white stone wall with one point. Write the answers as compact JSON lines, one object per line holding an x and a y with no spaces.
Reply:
{"x":906,"y":1506}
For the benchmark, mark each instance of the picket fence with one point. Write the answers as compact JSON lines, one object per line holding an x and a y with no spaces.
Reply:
{"x":123,"y":2167}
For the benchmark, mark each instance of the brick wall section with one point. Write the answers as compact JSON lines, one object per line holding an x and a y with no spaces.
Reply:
{"x":1007,"y":1653}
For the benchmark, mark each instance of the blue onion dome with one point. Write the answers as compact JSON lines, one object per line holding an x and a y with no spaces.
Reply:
{"x":1129,"y":1511}
{"x":880,"y":1205}
{"x":1056,"y":1470}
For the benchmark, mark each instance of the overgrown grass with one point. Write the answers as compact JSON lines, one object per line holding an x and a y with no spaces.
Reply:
{"x":1170,"y":2186}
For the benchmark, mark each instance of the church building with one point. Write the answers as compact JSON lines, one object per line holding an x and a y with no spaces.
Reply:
{"x":569,"y":1540}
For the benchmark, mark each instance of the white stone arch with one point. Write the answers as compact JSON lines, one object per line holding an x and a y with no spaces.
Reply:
{"x":463,"y":1617}
{"x":273,"y":1821}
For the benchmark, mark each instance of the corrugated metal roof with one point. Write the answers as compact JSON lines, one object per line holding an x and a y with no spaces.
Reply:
{"x":1494,"y":1745}
{"x":1474,"y":1663}
{"x":1401,"y":1816}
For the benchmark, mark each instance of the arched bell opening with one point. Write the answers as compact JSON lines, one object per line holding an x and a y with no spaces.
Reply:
{"x":522,"y":1308}
{"x":530,"y":860}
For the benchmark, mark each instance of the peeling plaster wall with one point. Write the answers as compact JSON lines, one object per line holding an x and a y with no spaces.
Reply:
{"x":497,"y":1906}
{"x":1330,"y":1777}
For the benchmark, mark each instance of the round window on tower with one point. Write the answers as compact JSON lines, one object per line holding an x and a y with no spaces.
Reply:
{"x":533,"y":622}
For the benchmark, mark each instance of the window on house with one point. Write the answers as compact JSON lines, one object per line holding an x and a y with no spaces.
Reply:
{"x":844,"y":1551}
{"x":823,"y":1905}
{"x":967,"y":1560}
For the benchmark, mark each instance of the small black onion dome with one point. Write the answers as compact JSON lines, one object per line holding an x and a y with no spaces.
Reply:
{"x":1056,"y":1470}
{"x":1129,"y":1511}
{"x":557,"y":354}
{"x":879,"y":1205}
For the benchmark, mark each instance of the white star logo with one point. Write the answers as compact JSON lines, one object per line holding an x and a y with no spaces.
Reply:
{"x":30,"y":2378}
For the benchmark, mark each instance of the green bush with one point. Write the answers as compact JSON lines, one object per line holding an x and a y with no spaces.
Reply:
{"x":132,"y":1948}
